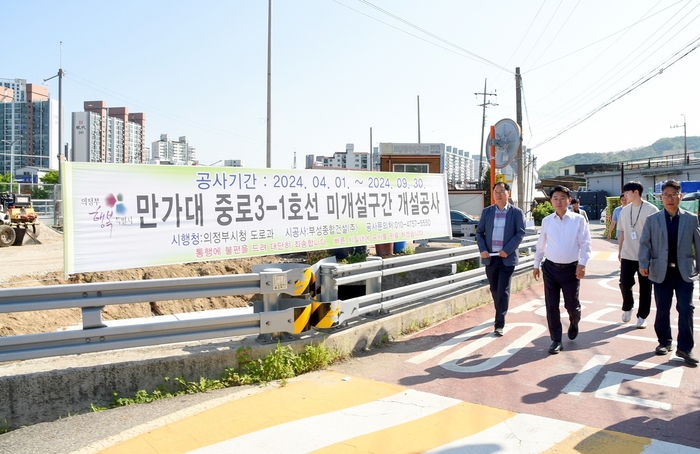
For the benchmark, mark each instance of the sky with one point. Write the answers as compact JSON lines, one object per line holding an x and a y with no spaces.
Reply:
{"x":597,"y":76}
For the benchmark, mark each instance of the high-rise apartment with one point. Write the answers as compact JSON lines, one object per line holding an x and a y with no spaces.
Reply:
{"x":176,"y":152}
{"x":108,"y":134}
{"x":28,"y":126}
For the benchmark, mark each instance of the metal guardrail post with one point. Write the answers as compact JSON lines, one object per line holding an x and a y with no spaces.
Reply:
{"x":374,"y":285}
{"x":92,"y":317}
{"x":271,"y":300}
{"x":329,"y":288}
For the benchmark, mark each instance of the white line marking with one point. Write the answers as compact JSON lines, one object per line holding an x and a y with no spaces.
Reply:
{"x":524,"y":434}
{"x":448,"y":344}
{"x":584,"y":377}
{"x":315,"y":432}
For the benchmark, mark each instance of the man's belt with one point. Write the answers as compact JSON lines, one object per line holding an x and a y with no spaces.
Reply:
{"x":671,"y":265}
{"x":563,"y":265}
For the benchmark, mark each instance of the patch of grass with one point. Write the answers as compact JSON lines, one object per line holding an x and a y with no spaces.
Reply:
{"x":280,"y":364}
{"x":314,"y":256}
{"x":411,"y":328}
{"x":467,"y":265}
{"x":408,"y":250}
{"x":383,"y":341}
{"x":357,"y":257}
{"x":4,"y":427}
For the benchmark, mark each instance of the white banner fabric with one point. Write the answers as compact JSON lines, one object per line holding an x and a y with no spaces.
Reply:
{"x":120,"y":216}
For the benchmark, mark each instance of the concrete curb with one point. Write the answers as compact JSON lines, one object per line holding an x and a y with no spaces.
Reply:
{"x":41,"y":390}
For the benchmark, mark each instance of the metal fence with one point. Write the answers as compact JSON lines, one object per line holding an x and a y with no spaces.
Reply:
{"x":278,"y":317}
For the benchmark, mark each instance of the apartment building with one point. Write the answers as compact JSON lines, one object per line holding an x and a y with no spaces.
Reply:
{"x":28,"y":126}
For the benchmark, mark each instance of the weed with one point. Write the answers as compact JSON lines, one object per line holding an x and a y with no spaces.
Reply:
{"x":314,"y":256}
{"x":4,"y":427}
{"x":426,"y":322}
{"x":281,"y":364}
{"x":408,"y":250}
{"x":356,"y":257}
{"x":411,"y":328}
{"x":467,"y":265}
{"x":383,"y":341}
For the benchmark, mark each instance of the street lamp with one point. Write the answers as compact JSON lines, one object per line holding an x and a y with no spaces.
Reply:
{"x":685,"y":139}
{"x":12,"y":158}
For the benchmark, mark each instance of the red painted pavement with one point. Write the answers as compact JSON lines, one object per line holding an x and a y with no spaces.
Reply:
{"x":608,"y":377}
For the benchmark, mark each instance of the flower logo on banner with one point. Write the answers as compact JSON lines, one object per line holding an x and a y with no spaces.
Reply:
{"x":117,"y":202}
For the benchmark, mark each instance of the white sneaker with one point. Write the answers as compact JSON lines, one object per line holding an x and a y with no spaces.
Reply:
{"x":626,"y":316}
{"x":641,"y":323}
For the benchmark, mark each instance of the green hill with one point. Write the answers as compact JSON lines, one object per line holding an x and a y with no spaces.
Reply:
{"x":673,"y":145}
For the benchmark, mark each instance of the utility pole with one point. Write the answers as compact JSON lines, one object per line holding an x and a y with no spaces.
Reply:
{"x":685,"y":141}
{"x":483,"y":125}
{"x":519,"y":121}
{"x":269,"y":83}
{"x":418,"y":118}
{"x":60,"y":116}
{"x":371,"y":152}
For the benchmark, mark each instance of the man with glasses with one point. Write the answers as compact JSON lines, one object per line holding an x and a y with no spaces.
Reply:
{"x":500,"y":230}
{"x":669,"y":254}
{"x":630,"y":225}
{"x":566,"y":243}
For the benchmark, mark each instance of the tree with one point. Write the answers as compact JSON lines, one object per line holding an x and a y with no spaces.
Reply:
{"x":51,"y":177}
{"x":541,"y":211}
{"x":486,"y":185}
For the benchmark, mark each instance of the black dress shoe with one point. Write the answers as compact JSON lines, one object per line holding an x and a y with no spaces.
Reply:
{"x":662,"y":349}
{"x":689,"y":358}
{"x":555,"y":348}
{"x":498,"y":332}
{"x":573,"y":331}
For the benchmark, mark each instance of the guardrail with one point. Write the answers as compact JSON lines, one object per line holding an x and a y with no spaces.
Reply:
{"x":277,"y":316}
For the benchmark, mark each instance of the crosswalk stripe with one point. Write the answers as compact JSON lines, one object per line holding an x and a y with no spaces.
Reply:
{"x":521,"y":434}
{"x":232,"y":419}
{"x":307,"y":434}
{"x":604,"y":256}
{"x":426,"y":433}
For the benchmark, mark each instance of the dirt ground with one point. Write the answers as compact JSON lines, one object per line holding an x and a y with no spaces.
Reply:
{"x":35,"y":264}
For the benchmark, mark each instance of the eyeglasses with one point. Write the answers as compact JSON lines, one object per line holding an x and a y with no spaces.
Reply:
{"x":670,"y":196}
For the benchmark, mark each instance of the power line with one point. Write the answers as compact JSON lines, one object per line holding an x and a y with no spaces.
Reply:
{"x":569,"y":107}
{"x":462,"y":51}
{"x":656,"y":72}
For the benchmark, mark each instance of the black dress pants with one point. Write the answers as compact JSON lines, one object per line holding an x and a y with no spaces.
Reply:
{"x":560,"y":279}
{"x":499,"y":276}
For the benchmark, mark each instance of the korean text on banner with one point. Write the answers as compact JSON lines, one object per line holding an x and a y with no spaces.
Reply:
{"x":120,"y":216}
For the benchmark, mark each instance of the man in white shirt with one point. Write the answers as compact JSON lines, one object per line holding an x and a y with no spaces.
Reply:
{"x":631,"y":225}
{"x":566,"y":243}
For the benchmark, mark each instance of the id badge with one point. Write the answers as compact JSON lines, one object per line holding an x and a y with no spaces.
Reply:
{"x":634,"y":235}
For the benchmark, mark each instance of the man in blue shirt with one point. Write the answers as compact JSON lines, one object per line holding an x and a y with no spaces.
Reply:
{"x":615,"y":217}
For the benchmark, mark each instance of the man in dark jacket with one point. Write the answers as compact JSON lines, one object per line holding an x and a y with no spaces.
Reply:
{"x":500,"y":230}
